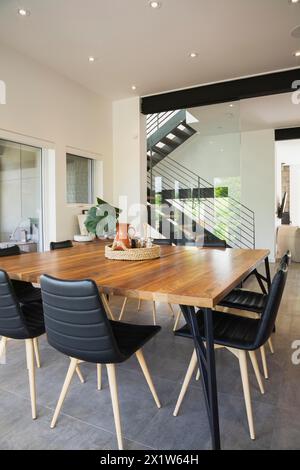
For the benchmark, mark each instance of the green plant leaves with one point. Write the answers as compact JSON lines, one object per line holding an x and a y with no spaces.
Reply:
{"x":102,"y":218}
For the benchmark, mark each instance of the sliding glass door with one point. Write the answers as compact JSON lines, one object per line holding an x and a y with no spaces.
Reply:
{"x":20,"y":196}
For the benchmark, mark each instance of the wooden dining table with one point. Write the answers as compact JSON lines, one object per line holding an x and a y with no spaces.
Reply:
{"x":188,"y":276}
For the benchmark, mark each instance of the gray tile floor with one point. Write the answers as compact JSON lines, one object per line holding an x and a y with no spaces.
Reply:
{"x":87,"y":422}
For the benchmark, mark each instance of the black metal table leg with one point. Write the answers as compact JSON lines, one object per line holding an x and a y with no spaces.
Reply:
{"x":260,"y":279}
{"x":206,"y":362}
{"x":268,"y":274}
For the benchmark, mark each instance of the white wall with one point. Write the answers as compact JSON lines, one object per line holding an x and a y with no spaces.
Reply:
{"x":295,"y":194}
{"x":129,"y":152}
{"x":211,"y":156}
{"x":288,"y":151}
{"x":44,"y":106}
{"x":258,"y":184}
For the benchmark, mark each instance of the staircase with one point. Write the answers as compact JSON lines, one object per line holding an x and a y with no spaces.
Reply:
{"x":165,"y":133}
{"x":179,"y":197}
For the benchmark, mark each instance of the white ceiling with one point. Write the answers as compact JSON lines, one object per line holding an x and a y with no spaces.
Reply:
{"x":135,"y":44}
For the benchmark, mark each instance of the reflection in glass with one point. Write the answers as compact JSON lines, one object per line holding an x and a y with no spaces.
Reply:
{"x":20,"y":195}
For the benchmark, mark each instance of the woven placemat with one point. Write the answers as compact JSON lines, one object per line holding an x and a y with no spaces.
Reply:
{"x":133,"y":254}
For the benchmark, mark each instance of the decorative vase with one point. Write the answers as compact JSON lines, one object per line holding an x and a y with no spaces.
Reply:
{"x":122,"y":239}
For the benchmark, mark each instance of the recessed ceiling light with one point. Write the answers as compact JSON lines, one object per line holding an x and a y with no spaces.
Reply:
{"x":155,"y":5}
{"x":295,"y":33}
{"x":133,"y":87}
{"x":91,"y":59}
{"x":193,"y":55}
{"x":297,"y":54}
{"x":231,"y":105}
{"x":23,"y":12}
{"x":294,"y":1}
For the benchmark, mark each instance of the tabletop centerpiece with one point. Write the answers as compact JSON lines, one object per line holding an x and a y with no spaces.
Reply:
{"x":127,"y":247}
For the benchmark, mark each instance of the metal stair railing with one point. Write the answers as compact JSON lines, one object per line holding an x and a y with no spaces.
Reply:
{"x":157,"y":120}
{"x":238,"y":220}
{"x":218,"y":202}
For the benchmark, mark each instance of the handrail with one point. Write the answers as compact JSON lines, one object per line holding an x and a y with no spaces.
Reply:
{"x":210,"y":225}
{"x":202,"y":179}
{"x":216,"y":218}
{"x":156,"y":121}
{"x":217,"y":200}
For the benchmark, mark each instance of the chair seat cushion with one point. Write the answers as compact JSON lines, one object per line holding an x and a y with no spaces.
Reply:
{"x":26,"y":292}
{"x":229,"y":330}
{"x":130,"y":338}
{"x":243,"y":299}
{"x":34,"y":319}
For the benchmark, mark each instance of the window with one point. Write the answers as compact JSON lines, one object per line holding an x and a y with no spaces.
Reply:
{"x":20,"y":196}
{"x":79,"y":180}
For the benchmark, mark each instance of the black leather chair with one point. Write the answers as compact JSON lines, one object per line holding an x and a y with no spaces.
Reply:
{"x":21,"y":322}
{"x":240,"y":334}
{"x":60,"y":245}
{"x":162,"y":241}
{"x":214,"y":243}
{"x":251,"y":301}
{"x":24,"y":291}
{"x":243,"y":299}
{"x":77,"y":325}
{"x":68,"y":244}
{"x":105,"y":299}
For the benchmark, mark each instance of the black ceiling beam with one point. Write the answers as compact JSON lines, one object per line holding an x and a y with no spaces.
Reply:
{"x":234,"y":90}
{"x":290,"y":133}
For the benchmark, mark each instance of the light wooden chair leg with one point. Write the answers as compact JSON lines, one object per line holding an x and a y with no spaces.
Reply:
{"x":3,"y":343}
{"x":246,"y":388}
{"x":31,"y":374}
{"x":177,"y":320}
{"x":80,"y":376}
{"x":123,"y":308}
{"x":99,"y":376}
{"x":187,"y":379}
{"x":256,"y":371}
{"x":139,"y":305}
{"x":154,"y":312}
{"x":270,"y":342}
{"x":264,"y":362}
{"x":198,"y":375}
{"x":171,"y":310}
{"x":63,"y":393}
{"x":37,"y":352}
{"x":144,"y":367}
{"x":107,"y":307}
{"x":111,"y":371}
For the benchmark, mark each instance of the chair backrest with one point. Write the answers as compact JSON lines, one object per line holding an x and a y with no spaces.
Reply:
{"x":76,"y":321}
{"x":12,"y":324}
{"x":59,"y":245}
{"x":268,"y":317}
{"x":162,"y":241}
{"x":10,"y":251}
{"x":214,"y":243}
{"x":286,"y":259}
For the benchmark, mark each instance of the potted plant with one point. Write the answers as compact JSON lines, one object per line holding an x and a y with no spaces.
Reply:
{"x":102,"y":219}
